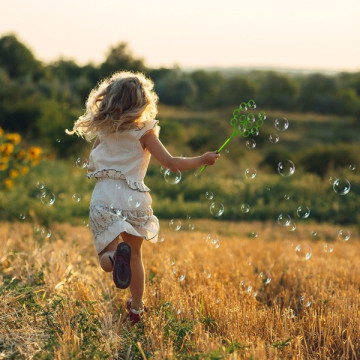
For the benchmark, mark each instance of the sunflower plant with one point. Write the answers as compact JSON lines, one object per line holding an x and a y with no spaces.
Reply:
{"x":15,"y":160}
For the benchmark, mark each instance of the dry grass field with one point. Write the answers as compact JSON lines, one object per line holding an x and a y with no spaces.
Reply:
{"x":252,"y":297}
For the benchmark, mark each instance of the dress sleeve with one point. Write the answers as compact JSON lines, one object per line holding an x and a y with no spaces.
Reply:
{"x":146,"y":127}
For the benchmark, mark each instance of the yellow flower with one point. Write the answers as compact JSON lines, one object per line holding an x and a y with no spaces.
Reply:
{"x":24,"y":170}
{"x":8,"y":183}
{"x":3,"y":166}
{"x":7,"y":149}
{"x":14,"y":174}
{"x":1,"y":131}
{"x":13,"y":137}
{"x":21,"y":154}
{"x":34,"y":152}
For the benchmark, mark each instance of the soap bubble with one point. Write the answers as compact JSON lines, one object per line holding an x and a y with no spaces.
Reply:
{"x":344,"y":235}
{"x":291,"y":226}
{"x":251,"y":104}
{"x":161,"y":238}
{"x":175,"y":225}
{"x":190,"y":224}
{"x":245,"y":208}
{"x":289,"y":313}
{"x":287,"y":197}
{"x":328,"y":249}
{"x":209,"y":195}
{"x":250,"y":143}
{"x":305,"y":300}
{"x":22,"y":216}
{"x":250,"y":173}
{"x":58,"y":140}
{"x":213,"y":241}
{"x":274,"y":138}
{"x":133,"y":203}
{"x":216,"y":209}
{"x":303,"y":252}
{"x":264,"y":277}
{"x":40,"y":185}
{"x":227,"y":151}
{"x":314,"y":234}
{"x":332,"y":180}
{"x":81,"y":163}
{"x":246,"y":286}
{"x":341,"y":186}
{"x":162,"y":170}
{"x":182,"y":278}
{"x":45,"y":233}
{"x":243,"y":106}
{"x":253,"y":234}
{"x":255,"y":132}
{"x":286,"y":168}
{"x":47,"y":198}
{"x":281,"y":124}
{"x":172,"y":177}
{"x":261,"y":115}
{"x":284,"y":219}
{"x":303,"y":212}
{"x":207,"y":274}
{"x":352,"y":167}
{"x":76,"y":197}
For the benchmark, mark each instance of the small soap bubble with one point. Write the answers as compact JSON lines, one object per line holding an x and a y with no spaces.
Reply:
{"x":178,"y":311}
{"x":162,"y":170}
{"x":133,"y":203}
{"x":287,"y":197}
{"x":175,"y":225}
{"x":216,"y":209}
{"x":47,"y":198}
{"x":86,"y":223}
{"x":250,"y":173}
{"x":190,"y":224}
{"x":352,"y":167}
{"x":36,"y":229}
{"x":182,"y":277}
{"x":281,"y":124}
{"x":291,"y":226}
{"x":289,"y":313}
{"x":22,"y":216}
{"x":209,"y":195}
{"x":253,"y":234}
{"x":332,"y":180}
{"x":344,"y":235}
{"x":250,"y":144}
{"x":81,"y":163}
{"x":303,"y":252}
{"x":255,"y":132}
{"x":264,"y":277}
{"x":245,"y":208}
{"x":76,"y":197}
{"x":45,"y":233}
{"x":213,"y":241}
{"x":227,"y":151}
{"x":286,"y":168}
{"x":341,"y":186}
{"x":251,"y":104}
{"x":207,"y":274}
{"x":314,"y":234}
{"x":261,"y":115}
{"x":246,"y":286}
{"x":274,"y":138}
{"x":284,"y":220}
{"x":172,"y":177}
{"x":58,"y":140}
{"x":40,"y":185}
{"x":303,"y":212}
{"x":328,"y":248}
{"x":243,"y":106}
{"x":306,"y":300}
{"x":161,"y":238}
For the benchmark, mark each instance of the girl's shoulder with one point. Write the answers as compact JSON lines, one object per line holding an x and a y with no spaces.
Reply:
{"x":145,"y":127}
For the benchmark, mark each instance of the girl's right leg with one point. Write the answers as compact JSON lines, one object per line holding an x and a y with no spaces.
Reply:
{"x":106,"y":256}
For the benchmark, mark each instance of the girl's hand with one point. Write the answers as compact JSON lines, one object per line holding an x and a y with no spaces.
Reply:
{"x":210,"y":157}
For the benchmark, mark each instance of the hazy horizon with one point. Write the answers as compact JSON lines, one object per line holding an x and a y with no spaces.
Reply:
{"x":307,"y":36}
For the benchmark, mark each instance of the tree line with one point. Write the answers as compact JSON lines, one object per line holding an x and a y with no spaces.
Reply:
{"x":39,"y":99}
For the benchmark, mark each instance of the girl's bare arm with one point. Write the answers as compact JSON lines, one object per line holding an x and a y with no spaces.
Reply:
{"x":151,"y":142}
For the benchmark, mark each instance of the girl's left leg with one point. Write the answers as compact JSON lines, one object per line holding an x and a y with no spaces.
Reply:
{"x":137,"y":284}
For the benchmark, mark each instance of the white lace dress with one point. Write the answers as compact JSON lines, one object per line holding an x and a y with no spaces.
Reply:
{"x":121,"y":201}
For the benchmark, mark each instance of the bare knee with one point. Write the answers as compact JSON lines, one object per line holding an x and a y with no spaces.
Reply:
{"x":106,"y":260}
{"x":135,"y":243}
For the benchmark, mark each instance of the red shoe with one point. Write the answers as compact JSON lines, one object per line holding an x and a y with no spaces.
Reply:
{"x":135,"y":315}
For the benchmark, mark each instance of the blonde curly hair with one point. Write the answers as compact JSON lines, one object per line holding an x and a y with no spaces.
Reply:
{"x":121,"y":102}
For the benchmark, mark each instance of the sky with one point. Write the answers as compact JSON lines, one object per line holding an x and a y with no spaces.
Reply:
{"x":306,"y":34}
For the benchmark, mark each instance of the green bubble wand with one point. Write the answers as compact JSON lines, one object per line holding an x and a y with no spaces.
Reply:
{"x":243,"y":124}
